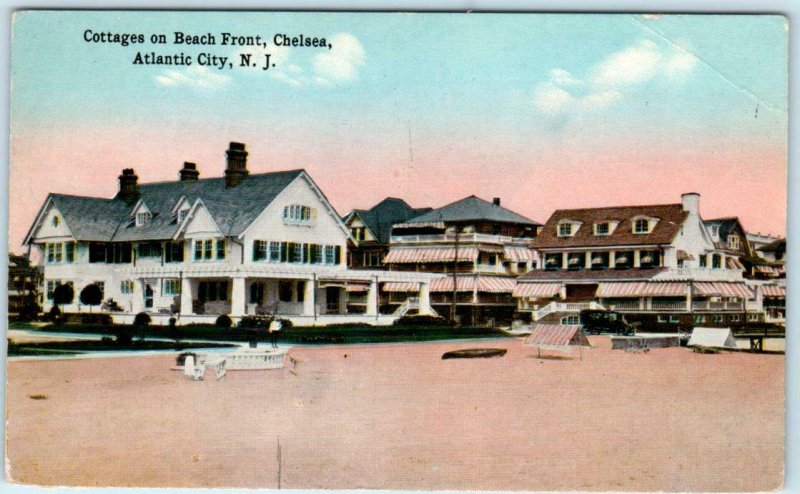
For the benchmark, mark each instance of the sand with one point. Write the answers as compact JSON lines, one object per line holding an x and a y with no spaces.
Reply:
{"x":399,"y":417}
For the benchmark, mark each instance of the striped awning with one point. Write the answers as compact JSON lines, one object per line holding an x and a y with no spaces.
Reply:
{"x":518,"y":254}
{"x":464,"y":284}
{"x":722,"y":289}
{"x":357,"y":288}
{"x":734,"y":263}
{"x":773,"y":291}
{"x":684,"y":256}
{"x":401,"y":286}
{"x":537,"y":290}
{"x":429,"y":254}
{"x":641,"y":289}
{"x":493,"y":284}
{"x":776,"y":270}
{"x":556,"y":335}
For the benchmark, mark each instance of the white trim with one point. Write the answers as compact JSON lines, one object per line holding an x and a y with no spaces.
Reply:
{"x":197,"y":203}
{"x":40,"y":217}
{"x":178,"y":205}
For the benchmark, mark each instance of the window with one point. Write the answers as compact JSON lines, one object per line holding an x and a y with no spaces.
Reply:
{"x":662,"y":319}
{"x":330,"y":254}
{"x":285,"y":291}
{"x":56,"y":220}
{"x":315,"y":253}
{"x":703,"y":262}
{"x":97,"y":252}
{"x":752,"y":317}
{"x":718,"y":318}
{"x":149,"y":250}
{"x":602,"y":229}
{"x":295,"y":253}
{"x":173,"y":252}
{"x":275,"y":252}
{"x":143,"y":218}
{"x":204,"y":250}
{"x":715,"y":230}
{"x":734,"y":317}
{"x":565,"y":229}
{"x":172,"y":287}
{"x":674,"y":319}
{"x":570,"y":320}
{"x":127,"y":287}
{"x":298,"y":214}
{"x":699,"y":319}
{"x":69,"y":250}
{"x":52,"y":284}
{"x":733,"y":242}
{"x":641,"y":226}
{"x":182,"y":214}
{"x":212,"y":291}
{"x":260,"y":250}
{"x":552,"y":261}
{"x":60,"y":252}
{"x":257,"y":293}
{"x":102,"y":286}
{"x":716,"y":261}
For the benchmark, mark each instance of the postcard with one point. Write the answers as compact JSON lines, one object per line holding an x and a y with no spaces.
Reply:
{"x":406,"y":251}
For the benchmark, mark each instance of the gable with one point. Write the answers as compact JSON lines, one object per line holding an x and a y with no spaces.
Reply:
{"x":52,"y":226}
{"x":200,"y":224}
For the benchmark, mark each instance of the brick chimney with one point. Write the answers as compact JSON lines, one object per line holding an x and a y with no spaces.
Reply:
{"x":236,"y":169}
{"x":128,"y":186}
{"x":189,"y":172}
{"x":496,"y":201}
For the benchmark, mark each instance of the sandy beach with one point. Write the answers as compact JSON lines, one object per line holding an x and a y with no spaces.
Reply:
{"x":399,"y":417}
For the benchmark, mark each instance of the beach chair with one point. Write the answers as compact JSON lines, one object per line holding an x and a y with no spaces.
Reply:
{"x":195,"y":372}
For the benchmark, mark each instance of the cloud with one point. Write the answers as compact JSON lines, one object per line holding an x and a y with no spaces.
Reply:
{"x":342,"y":61}
{"x":608,"y":80}
{"x":195,"y":77}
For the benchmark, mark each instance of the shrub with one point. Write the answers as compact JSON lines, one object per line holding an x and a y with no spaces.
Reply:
{"x":124,"y":336}
{"x":63,"y":294}
{"x":55,"y":314}
{"x":285,"y":323}
{"x":416,"y":320}
{"x":91,"y":295}
{"x":141,"y":319}
{"x":99,"y":319}
{"x":224,"y":321}
{"x":253,"y":322}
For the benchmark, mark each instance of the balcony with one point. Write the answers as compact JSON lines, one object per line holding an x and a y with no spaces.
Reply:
{"x":717,"y":305}
{"x":484,"y":238}
{"x":698,"y":274}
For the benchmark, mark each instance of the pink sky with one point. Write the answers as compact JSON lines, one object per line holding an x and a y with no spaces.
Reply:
{"x":747,"y":180}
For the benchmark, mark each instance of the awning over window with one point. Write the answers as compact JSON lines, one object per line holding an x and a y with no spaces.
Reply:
{"x":429,"y":254}
{"x":734,"y":263}
{"x":537,"y":290}
{"x":774,"y":291}
{"x":493,"y":284}
{"x":401,"y":286}
{"x":518,"y":254}
{"x":776,"y":270}
{"x":722,"y":289}
{"x":357,"y":288}
{"x":464,"y":284}
{"x":685,"y":256}
{"x":642,"y":289}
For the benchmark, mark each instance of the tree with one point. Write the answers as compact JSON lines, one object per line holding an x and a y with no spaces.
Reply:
{"x":63,"y":294}
{"x":91,"y":295}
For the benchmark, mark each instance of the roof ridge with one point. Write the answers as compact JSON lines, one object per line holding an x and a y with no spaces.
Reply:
{"x":206,"y":179}
{"x":622,"y":207}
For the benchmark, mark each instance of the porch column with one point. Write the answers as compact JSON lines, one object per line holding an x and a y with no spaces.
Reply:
{"x":425,"y":298}
{"x":237,"y":296}
{"x":612,"y":259}
{"x":137,"y":300}
{"x":372,"y":299}
{"x":309,"y":292}
{"x":564,"y":261}
{"x":186,"y":296}
{"x":689,"y":297}
{"x":587,"y":262}
{"x":637,"y":256}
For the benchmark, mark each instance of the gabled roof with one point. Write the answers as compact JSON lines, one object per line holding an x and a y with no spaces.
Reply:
{"x":776,"y":246}
{"x":381,"y":217}
{"x":233,"y":210}
{"x":670,"y":218}
{"x":472,"y":208}
{"x":726,"y":226}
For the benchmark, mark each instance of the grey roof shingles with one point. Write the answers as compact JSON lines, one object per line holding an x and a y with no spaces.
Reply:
{"x":98,"y":219}
{"x":387,"y":213}
{"x":473,"y":208}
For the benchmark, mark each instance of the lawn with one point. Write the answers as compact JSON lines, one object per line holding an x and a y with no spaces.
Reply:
{"x":66,"y":348}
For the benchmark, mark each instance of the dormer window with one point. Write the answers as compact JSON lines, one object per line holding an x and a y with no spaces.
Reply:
{"x":568,"y":228}
{"x":643,"y":225}
{"x":143,"y":218}
{"x":182,"y":214}
{"x":733,"y":242}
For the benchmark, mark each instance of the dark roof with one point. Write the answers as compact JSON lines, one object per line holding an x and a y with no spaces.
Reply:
{"x":473,"y":208}
{"x":97,"y":219}
{"x":390,"y":211}
{"x":776,"y":246}
{"x":726,"y":226}
{"x":589,"y":275}
{"x":670,"y":216}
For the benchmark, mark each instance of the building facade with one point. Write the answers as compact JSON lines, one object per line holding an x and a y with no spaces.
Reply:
{"x":661,"y":265}
{"x":242,"y":244}
{"x":481,"y":247}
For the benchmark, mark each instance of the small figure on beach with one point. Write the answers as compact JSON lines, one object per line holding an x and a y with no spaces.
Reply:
{"x":274,"y":328}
